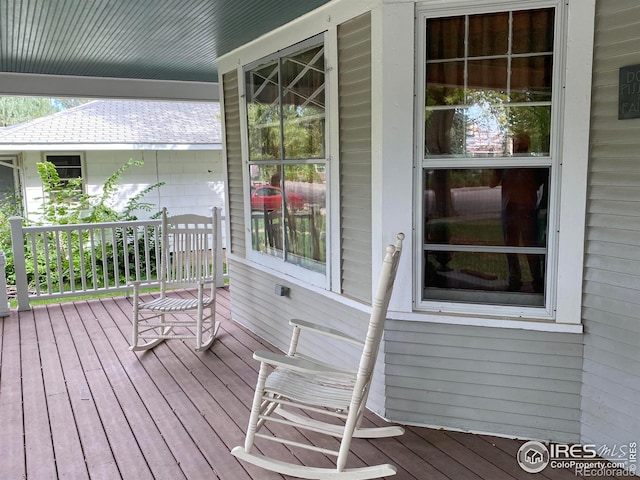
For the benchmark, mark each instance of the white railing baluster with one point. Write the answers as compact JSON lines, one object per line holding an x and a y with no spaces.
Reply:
{"x":94,"y":268}
{"x":72,"y":275}
{"x":147,"y":259}
{"x":136,"y":253}
{"x":59,"y":256}
{"x":83,"y":266}
{"x":47,"y":259}
{"x":116,"y":271}
{"x":125,"y":254}
{"x":105,"y":260}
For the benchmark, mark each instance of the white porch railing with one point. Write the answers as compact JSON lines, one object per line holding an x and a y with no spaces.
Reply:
{"x":58,"y":261}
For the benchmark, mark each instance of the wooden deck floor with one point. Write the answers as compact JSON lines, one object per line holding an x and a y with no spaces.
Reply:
{"x":76,"y":403}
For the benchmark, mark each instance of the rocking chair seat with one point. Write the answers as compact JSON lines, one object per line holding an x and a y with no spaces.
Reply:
{"x":170,"y":304}
{"x":318,"y":390}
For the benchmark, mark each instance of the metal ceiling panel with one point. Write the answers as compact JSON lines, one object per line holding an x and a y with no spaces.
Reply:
{"x":146,"y":39}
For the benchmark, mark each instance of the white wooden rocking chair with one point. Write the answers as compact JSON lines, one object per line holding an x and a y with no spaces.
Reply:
{"x":326,"y":392}
{"x":188,"y":255}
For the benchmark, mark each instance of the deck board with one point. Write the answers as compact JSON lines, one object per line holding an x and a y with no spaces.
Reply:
{"x":12,"y":463}
{"x":76,"y":403}
{"x":38,"y":440}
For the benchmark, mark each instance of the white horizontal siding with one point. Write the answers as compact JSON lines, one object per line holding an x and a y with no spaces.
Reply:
{"x":611,"y":378}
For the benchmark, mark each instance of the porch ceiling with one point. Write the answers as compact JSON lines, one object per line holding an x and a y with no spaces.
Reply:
{"x":134,"y":39}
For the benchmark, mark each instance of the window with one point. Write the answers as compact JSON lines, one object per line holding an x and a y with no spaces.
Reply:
{"x":487,"y":162}
{"x":9,"y":190}
{"x":285,"y":106}
{"x":69,"y":168}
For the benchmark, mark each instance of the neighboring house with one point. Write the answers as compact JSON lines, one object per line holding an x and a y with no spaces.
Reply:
{"x":390,"y":94}
{"x":178,"y":142}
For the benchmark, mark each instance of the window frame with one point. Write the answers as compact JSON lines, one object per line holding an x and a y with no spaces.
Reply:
{"x":11,"y":162}
{"x":80,"y":155}
{"x":270,"y":262}
{"x":546,"y":312}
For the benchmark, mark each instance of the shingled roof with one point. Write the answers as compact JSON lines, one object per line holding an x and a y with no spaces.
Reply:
{"x":110,"y":124}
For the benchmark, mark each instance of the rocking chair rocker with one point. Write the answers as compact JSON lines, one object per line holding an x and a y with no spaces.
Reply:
{"x":334,"y":398}
{"x":188,"y":252}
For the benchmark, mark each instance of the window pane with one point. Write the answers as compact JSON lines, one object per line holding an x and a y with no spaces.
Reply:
{"x":536,"y":121}
{"x":290,"y":222}
{"x":480,"y":224}
{"x":306,"y":215}
{"x":61,"y":161}
{"x":486,"y":75}
{"x":445,"y":83}
{"x":488,"y":34}
{"x":7,"y":182}
{"x":444,"y":132}
{"x":266,"y":209}
{"x":263,"y":112}
{"x":445,"y":38}
{"x":486,"y":206}
{"x":474,"y":277}
{"x":533,"y":31}
{"x":531,"y":79}
{"x":303,"y":104}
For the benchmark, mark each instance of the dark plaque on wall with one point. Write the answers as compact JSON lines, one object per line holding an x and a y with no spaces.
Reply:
{"x":629,"y":95}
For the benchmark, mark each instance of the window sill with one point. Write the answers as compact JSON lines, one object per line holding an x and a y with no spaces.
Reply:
{"x":491,"y":322}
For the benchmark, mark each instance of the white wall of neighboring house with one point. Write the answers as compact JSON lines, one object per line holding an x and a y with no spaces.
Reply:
{"x":194,"y":179}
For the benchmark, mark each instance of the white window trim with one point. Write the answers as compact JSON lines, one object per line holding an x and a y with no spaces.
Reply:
{"x":571,"y":104}
{"x":275,"y":264}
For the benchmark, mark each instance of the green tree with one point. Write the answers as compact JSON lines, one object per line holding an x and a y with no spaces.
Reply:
{"x":15,"y":110}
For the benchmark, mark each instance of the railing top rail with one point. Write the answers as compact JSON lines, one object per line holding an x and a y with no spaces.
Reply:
{"x":93,"y":226}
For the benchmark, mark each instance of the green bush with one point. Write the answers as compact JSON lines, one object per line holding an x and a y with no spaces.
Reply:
{"x":64,"y":203}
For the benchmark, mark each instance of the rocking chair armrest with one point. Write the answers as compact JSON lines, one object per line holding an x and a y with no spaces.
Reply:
{"x":207,"y":280}
{"x":299,"y":364}
{"x":327,"y":331}
{"x":137,"y":284}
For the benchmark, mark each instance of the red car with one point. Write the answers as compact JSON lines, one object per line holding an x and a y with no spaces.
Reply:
{"x":271,"y":198}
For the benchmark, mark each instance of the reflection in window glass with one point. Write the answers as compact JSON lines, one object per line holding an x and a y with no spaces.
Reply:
{"x":443,"y":83}
{"x":533,"y":31}
{"x":485,"y":230}
{"x":531,"y":79}
{"x":289,"y":218}
{"x":303,"y":104}
{"x":286,"y":130}
{"x":263,"y":112}
{"x":508,"y":61}
{"x":488,"y":34}
{"x":445,"y":38}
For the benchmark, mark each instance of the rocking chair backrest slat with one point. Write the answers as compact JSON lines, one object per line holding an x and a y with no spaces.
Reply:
{"x":376,"y":325}
{"x":372,"y":344}
{"x":189,"y":245}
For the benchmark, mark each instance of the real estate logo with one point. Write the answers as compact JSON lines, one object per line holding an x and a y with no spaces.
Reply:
{"x":533,"y":457}
{"x":583,"y":459}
